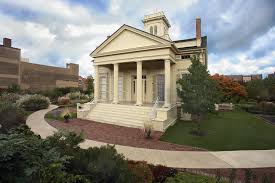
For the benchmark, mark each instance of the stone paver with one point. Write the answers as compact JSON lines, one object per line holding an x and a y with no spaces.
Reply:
{"x":177,"y":159}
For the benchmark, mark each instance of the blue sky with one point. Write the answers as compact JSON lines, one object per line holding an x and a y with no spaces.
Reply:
{"x":241,"y":33}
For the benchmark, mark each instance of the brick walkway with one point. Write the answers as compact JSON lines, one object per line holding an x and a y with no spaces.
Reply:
{"x":113,"y":134}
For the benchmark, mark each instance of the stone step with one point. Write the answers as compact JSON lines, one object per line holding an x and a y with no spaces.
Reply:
{"x":124,"y":106}
{"x":123,"y":115}
{"x":122,"y":111}
{"x":120,"y":116}
{"x":117,"y":121}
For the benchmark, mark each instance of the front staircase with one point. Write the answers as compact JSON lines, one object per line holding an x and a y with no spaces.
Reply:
{"x":118,"y":114}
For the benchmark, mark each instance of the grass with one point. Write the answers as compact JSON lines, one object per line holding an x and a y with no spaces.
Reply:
{"x":235,"y":130}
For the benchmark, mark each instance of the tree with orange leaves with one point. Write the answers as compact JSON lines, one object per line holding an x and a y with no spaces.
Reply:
{"x":232,"y":90}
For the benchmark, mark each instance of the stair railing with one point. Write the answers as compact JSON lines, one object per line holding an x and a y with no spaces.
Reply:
{"x":84,"y":109}
{"x":153,"y":113}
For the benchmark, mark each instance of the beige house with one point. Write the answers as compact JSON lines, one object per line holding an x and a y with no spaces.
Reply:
{"x":135,"y":69}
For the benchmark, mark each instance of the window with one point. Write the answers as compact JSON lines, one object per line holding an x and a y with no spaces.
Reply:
{"x":160,"y":87}
{"x":155,"y":30}
{"x":185,"y":57}
{"x":134,"y":86}
{"x":151,"y":30}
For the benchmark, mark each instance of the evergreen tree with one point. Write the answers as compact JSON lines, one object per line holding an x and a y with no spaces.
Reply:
{"x":90,"y":85}
{"x":198,"y":91}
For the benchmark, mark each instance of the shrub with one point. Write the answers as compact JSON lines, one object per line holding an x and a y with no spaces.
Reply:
{"x":77,"y":96}
{"x":66,"y":114}
{"x":260,"y":108}
{"x":102,"y":164}
{"x":141,"y":171}
{"x":191,"y":178}
{"x":160,"y":173}
{"x":55,"y":93}
{"x":266,"y":107}
{"x":74,"y":95}
{"x":25,"y":157}
{"x":248,"y":175}
{"x":10,"y":116}
{"x":14,"y":88}
{"x":148,"y":128}
{"x":33,"y":102}
{"x":9,"y":97}
{"x":63,"y":101}
{"x":232,"y":176}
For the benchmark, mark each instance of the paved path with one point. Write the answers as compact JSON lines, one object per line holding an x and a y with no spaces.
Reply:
{"x":176,"y":159}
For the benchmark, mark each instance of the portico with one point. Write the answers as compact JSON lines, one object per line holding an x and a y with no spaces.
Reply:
{"x":134,"y":82}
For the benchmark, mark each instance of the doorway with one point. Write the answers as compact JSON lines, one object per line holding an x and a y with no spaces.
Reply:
{"x":134,"y":88}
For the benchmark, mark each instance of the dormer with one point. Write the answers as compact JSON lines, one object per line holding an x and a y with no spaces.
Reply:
{"x":157,"y":24}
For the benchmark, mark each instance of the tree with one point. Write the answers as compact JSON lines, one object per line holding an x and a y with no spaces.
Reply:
{"x":198,"y":91}
{"x":231,"y":90}
{"x":270,"y":85}
{"x":257,"y":90}
{"x":90,"y":85}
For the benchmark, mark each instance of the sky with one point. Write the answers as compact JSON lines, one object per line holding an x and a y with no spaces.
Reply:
{"x":241,"y":33}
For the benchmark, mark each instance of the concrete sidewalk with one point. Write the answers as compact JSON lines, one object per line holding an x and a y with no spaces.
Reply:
{"x":176,"y":159}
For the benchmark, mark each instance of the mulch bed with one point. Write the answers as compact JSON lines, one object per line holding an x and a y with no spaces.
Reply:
{"x":114,"y":134}
{"x":256,"y":177}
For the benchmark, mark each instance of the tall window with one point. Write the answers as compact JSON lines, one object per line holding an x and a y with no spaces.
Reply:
{"x":155,"y":30}
{"x":151,"y":30}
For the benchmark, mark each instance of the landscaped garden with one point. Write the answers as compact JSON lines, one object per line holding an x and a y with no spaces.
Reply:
{"x":232,"y":130}
{"x":25,"y":157}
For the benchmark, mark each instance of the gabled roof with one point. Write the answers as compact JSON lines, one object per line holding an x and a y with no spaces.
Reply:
{"x":203,"y":43}
{"x":135,"y":30}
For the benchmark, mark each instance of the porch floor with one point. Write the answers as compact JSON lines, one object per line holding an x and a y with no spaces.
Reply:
{"x":160,"y":104}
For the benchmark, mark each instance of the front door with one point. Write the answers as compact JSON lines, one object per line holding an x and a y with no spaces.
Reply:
{"x":134,"y":88}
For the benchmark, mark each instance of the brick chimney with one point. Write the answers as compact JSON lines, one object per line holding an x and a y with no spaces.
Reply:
{"x":7,"y":42}
{"x":198,"y":31}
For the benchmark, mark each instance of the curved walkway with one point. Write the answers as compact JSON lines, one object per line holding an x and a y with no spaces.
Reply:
{"x":176,"y":159}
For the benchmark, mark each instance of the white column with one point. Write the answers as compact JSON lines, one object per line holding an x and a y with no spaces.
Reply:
{"x":139,"y":83}
{"x":115,"y":98}
{"x":96,"y":86}
{"x":167,"y":97}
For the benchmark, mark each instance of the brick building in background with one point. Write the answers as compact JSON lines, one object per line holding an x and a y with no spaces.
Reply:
{"x":244,"y":78}
{"x":272,"y":75}
{"x":30,"y":76}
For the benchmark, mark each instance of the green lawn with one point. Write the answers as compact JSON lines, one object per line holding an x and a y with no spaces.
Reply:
{"x":236,"y":130}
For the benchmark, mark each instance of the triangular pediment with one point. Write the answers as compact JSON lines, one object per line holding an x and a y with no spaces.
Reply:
{"x":127,"y":38}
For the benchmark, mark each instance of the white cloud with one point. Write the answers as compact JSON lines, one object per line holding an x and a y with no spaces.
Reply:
{"x":104,"y":29}
{"x":241,"y":64}
{"x":114,"y":7}
{"x":265,"y":40}
{"x":175,"y":31}
{"x":56,"y":8}
{"x":71,"y":31}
